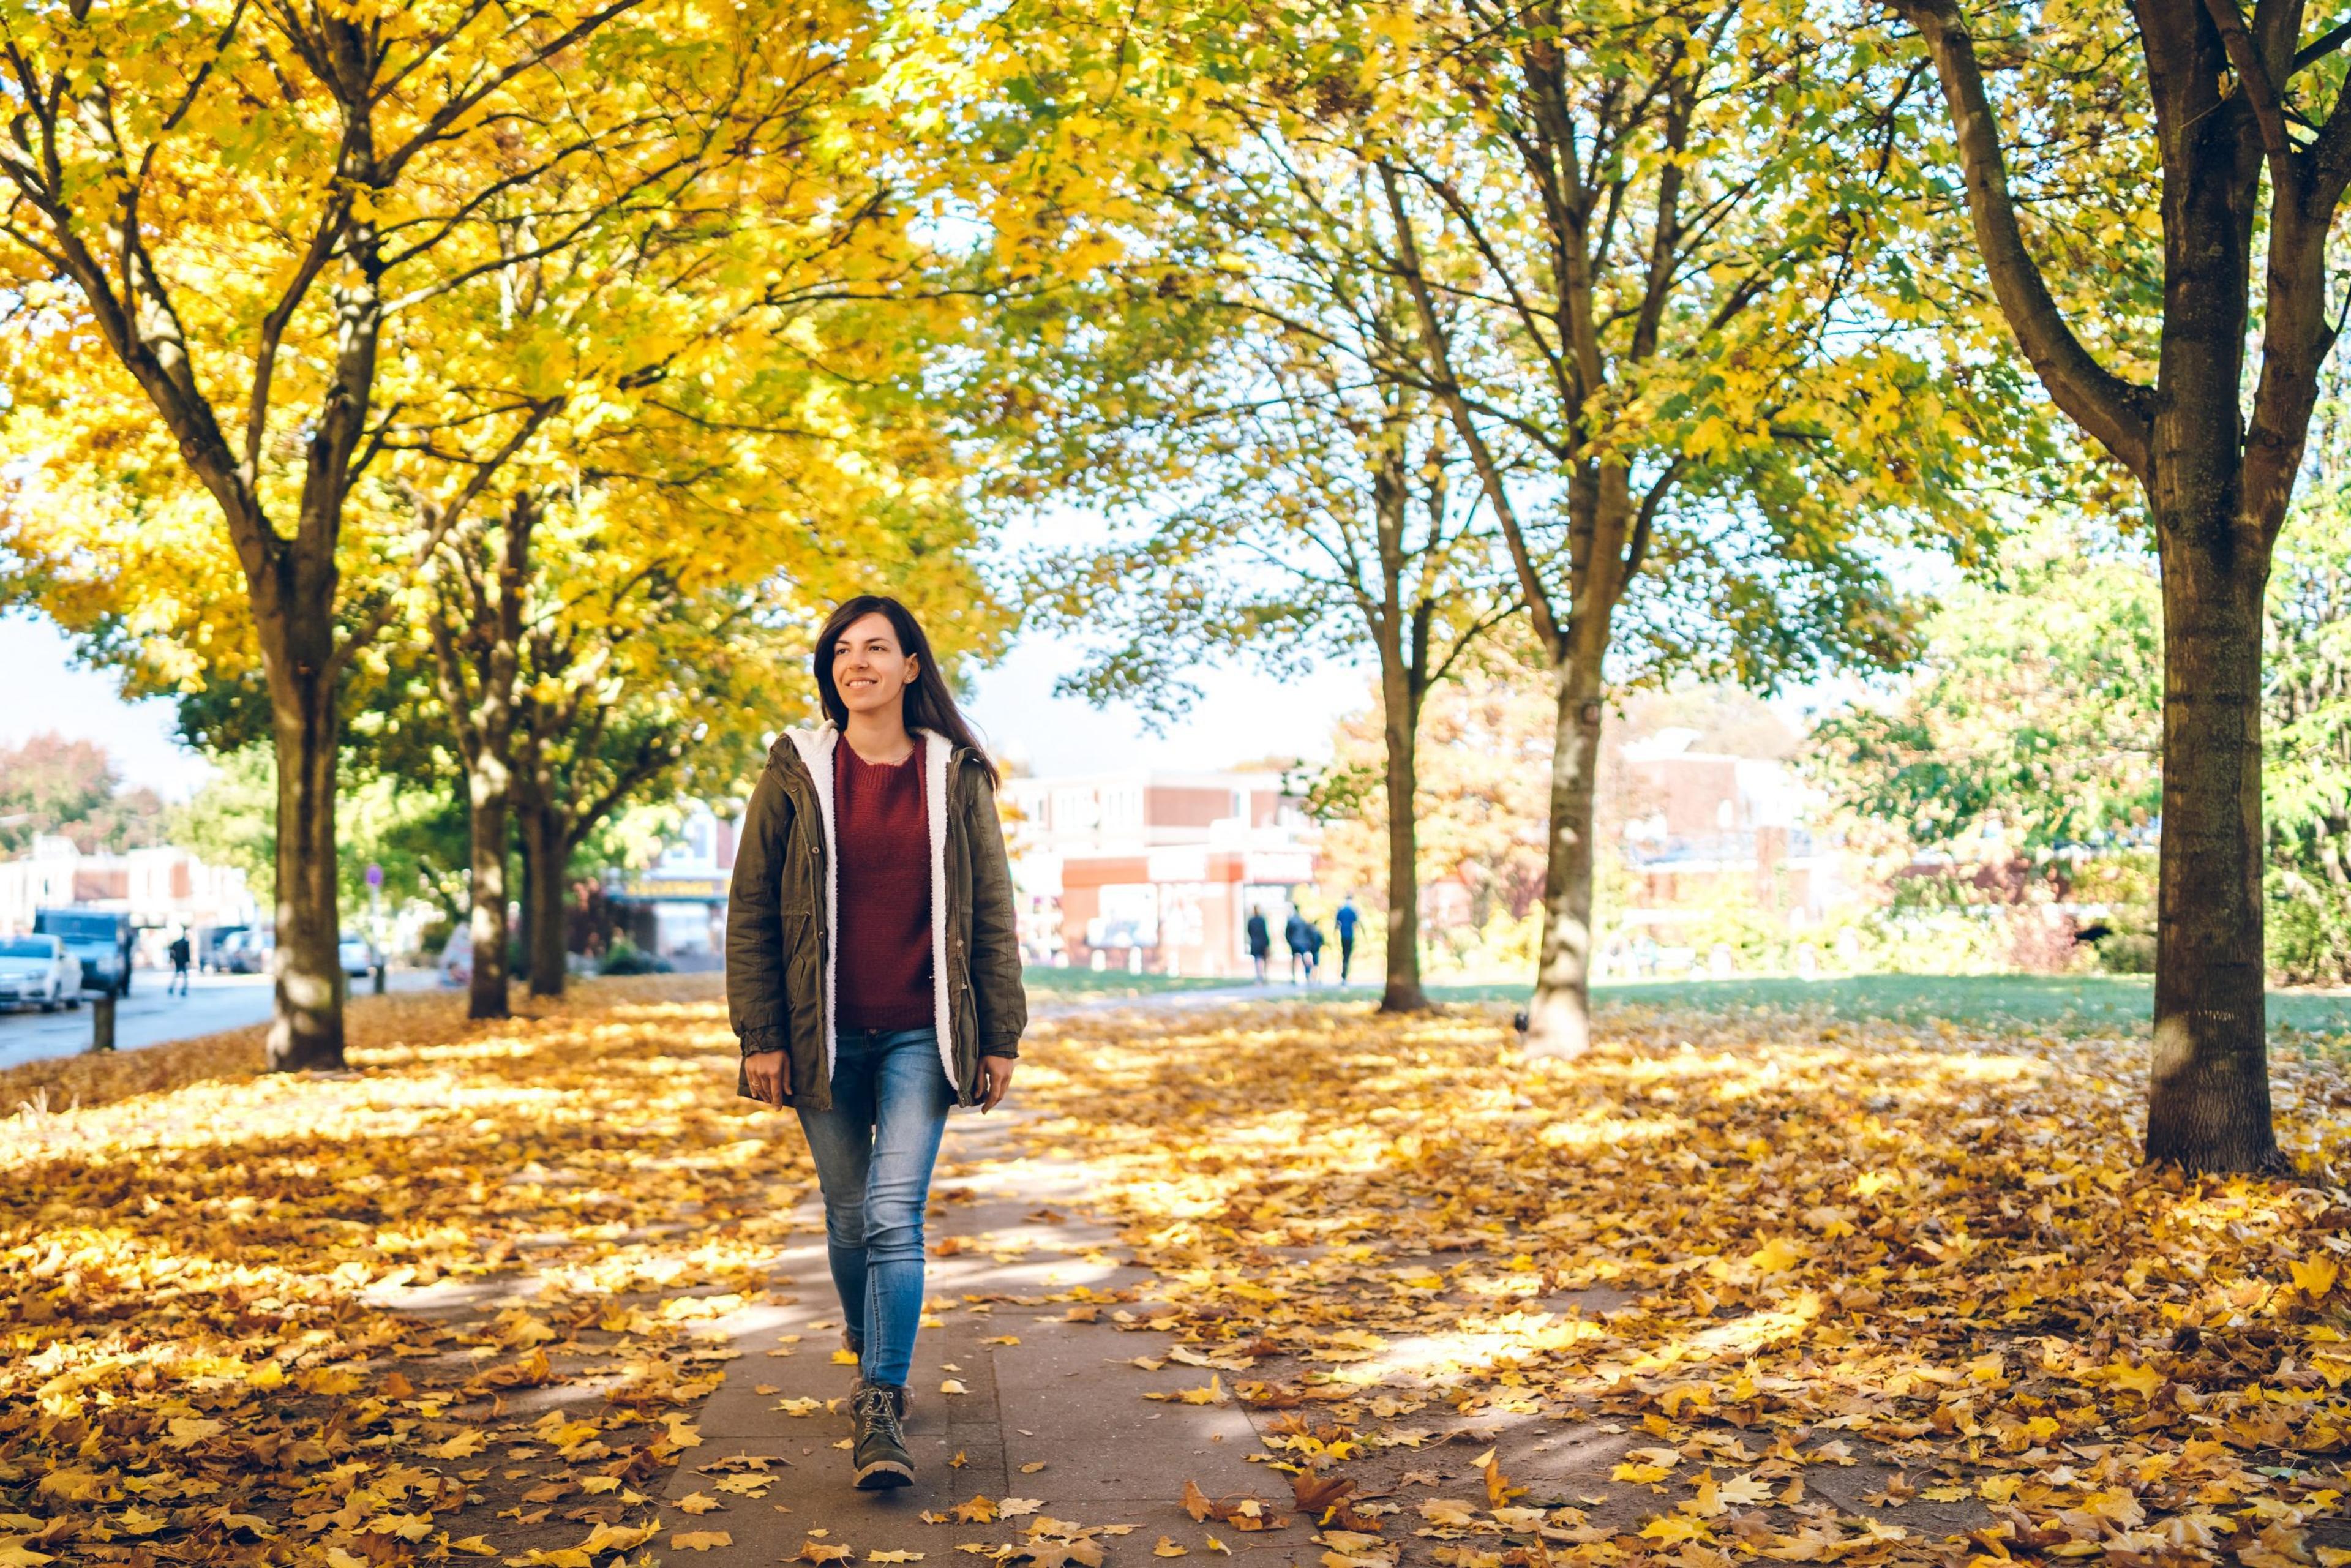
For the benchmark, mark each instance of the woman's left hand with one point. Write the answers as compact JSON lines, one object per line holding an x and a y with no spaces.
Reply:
{"x":994,"y":1077}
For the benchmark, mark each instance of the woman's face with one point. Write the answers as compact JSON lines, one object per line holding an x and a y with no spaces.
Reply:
{"x":869,"y":669}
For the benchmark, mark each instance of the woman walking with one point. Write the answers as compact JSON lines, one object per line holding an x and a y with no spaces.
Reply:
{"x":874,"y":973}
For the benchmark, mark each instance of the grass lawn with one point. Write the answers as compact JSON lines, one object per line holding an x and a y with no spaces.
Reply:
{"x":2084,"y":1001}
{"x":1045,"y":982}
{"x":2039,"y":1001}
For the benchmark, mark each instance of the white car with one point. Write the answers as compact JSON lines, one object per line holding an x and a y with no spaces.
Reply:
{"x":39,"y":970}
{"x":356,"y":952}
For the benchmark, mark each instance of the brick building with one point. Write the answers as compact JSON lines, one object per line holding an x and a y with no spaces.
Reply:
{"x":1697,"y":825}
{"x":162,"y":888}
{"x":1153,"y":870}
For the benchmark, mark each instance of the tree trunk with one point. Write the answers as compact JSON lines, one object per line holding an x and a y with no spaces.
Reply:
{"x":1402,"y":726}
{"x":523,"y":934}
{"x":1559,"y":1019}
{"x":545,"y":878}
{"x":488,"y":783}
{"x":477,"y":631}
{"x":307,"y":1031}
{"x":2208,"y":1095}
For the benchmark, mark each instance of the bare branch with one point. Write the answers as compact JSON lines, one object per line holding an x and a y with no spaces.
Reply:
{"x":2261,"y":93}
{"x":437,"y":528}
{"x":2321,"y":47}
{"x":2117,"y":413}
{"x":1448,"y":390}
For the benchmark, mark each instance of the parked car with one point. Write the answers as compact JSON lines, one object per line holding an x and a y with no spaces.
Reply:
{"x":356,"y":952}
{"x":209,"y":942}
{"x":98,"y":938}
{"x":38,"y":970}
{"x":246,"y":952}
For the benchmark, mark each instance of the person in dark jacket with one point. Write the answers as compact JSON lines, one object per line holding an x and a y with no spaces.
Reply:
{"x":1260,"y":942}
{"x":1346,"y":920}
{"x":874,"y":973}
{"x":1295,"y":936}
{"x":1313,"y":952}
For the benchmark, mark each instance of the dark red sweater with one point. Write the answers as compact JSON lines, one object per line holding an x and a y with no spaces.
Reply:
{"x":886,"y":892}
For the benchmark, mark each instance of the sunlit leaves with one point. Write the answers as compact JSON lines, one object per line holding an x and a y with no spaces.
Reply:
{"x":247,"y":1347}
{"x":1758,"y":1244}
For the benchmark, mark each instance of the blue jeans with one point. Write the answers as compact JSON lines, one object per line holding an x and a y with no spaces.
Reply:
{"x":873,"y":1152}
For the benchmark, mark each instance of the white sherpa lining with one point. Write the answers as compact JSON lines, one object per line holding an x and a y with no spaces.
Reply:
{"x":816,"y":749}
{"x":935,"y":750}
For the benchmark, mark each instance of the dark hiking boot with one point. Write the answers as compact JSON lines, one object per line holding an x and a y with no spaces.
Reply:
{"x":879,"y":1450}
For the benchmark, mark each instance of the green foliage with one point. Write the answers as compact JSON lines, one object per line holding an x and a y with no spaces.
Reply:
{"x":233,"y":819}
{"x":416,"y":834}
{"x":2122,"y":883}
{"x":415,"y":831}
{"x":2306,"y":733}
{"x":1743,"y":364}
{"x":2035,"y":718}
{"x":626,"y":957}
{"x":2307,"y":930}
{"x":2034,"y":728}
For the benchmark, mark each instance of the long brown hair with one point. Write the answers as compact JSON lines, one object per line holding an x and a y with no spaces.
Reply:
{"x":929,"y":704}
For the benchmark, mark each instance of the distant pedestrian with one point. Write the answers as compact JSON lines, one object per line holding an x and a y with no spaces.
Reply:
{"x":1346,"y":921}
{"x":1296,"y":937}
{"x":1260,"y":942}
{"x":1313,"y":952}
{"x":182,"y":951}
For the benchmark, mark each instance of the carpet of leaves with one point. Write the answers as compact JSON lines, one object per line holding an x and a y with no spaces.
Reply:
{"x":382,"y":1315}
{"x":1752,"y":1257}
{"x":451,"y":1303}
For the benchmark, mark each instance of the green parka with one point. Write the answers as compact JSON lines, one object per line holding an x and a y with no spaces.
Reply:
{"x":784,"y":906}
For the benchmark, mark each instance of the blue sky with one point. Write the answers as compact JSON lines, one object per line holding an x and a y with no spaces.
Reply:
{"x":1242,"y":717}
{"x":46,"y":691}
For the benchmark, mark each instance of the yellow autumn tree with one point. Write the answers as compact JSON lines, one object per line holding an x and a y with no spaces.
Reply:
{"x":271,"y":276}
{"x":1644,"y":255}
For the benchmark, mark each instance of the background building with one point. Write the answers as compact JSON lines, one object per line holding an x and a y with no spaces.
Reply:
{"x":1703,"y":826}
{"x":676,"y":908}
{"x":1155,"y":870}
{"x":162,"y":888}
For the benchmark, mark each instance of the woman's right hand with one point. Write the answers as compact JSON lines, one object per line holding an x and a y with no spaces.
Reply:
{"x":771,"y":1075}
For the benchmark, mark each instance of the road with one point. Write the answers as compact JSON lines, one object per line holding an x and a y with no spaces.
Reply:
{"x":148,"y":1017}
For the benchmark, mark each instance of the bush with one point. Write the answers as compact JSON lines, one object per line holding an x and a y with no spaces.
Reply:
{"x":2307,"y":930}
{"x":2041,"y":945}
{"x":1502,"y":948}
{"x":627,"y":958}
{"x":1973,"y":939}
{"x":2116,"y":889}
